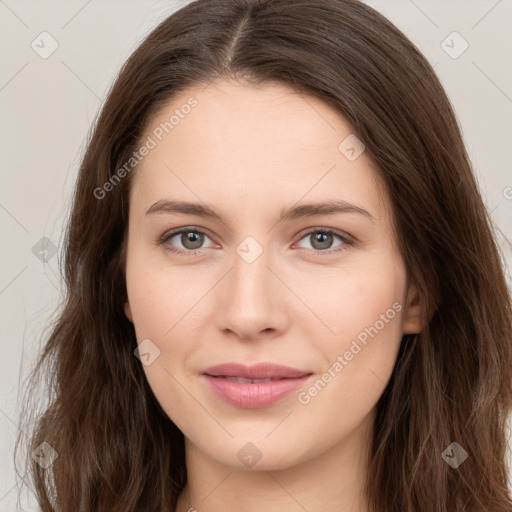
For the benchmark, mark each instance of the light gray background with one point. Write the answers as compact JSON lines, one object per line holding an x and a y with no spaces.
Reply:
{"x":48,"y":105}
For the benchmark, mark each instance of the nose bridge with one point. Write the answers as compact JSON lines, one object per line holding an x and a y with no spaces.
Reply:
{"x":252,"y":303}
{"x":251,"y":275}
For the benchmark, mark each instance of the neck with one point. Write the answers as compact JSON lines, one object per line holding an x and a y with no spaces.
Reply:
{"x":331,"y":481}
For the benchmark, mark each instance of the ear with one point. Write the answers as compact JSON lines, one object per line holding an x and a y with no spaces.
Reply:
{"x":414,"y":318}
{"x":128,"y":311}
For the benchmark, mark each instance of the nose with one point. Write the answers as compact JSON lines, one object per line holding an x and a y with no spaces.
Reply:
{"x":253,"y":301}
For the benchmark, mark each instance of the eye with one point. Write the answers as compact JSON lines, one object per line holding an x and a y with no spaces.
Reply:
{"x":190,"y":239}
{"x":322,"y":238}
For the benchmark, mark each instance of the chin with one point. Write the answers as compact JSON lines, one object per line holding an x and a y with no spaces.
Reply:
{"x":258,"y":455}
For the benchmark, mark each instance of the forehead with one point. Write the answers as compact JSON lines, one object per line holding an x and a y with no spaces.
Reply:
{"x":241,"y":142}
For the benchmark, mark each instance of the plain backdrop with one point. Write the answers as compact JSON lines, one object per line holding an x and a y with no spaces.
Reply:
{"x":49,"y":102}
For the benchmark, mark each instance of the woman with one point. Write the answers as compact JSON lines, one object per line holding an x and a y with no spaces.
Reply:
{"x":205,"y":357}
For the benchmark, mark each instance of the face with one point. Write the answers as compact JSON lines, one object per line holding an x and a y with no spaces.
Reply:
{"x":254,"y":273}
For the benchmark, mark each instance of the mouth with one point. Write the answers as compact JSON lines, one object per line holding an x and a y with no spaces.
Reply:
{"x":253,"y":387}
{"x":245,"y":380}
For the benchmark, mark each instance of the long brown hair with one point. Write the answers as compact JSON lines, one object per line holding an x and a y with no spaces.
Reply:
{"x":452,"y":383}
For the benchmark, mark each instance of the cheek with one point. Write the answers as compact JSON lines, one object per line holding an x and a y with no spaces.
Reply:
{"x":363,"y":310}
{"x":351,"y":300}
{"x":160,"y":297}
{"x":166,"y":307}
{"x":159,"y":300}
{"x":366,"y":355}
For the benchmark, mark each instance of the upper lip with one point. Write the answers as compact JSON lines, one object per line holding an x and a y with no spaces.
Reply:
{"x":257,"y":371}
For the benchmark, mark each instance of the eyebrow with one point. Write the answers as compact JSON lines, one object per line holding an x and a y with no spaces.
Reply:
{"x":297,"y":212}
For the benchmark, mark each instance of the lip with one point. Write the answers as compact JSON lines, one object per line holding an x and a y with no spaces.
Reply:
{"x":254,"y":395}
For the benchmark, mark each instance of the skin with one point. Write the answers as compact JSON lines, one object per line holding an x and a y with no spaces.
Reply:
{"x":248,"y":152}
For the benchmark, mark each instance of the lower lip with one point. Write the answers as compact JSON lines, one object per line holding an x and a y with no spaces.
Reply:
{"x":249,"y":395}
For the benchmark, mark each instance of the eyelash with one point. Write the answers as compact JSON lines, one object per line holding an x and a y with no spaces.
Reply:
{"x":347,"y":241}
